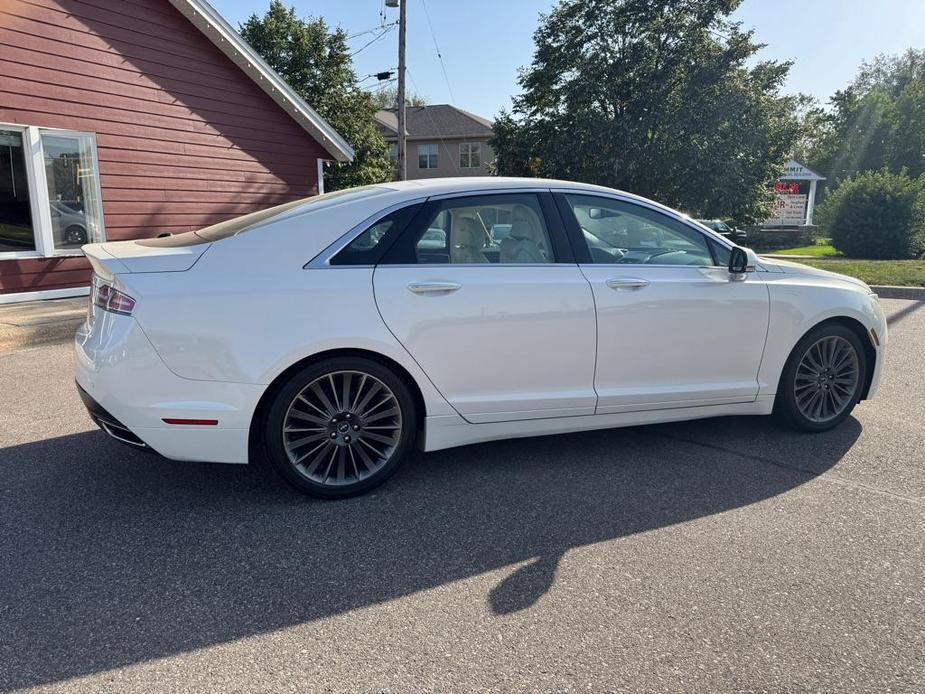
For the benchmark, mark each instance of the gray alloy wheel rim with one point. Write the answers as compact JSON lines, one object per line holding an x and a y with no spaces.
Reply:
{"x":826,"y":379}
{"x":342,"y":428}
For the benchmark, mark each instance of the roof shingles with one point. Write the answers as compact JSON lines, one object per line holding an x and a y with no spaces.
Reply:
{"x":437,"y":120}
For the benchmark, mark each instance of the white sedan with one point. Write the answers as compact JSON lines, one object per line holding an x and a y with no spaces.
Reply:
{"x":332,"y":334}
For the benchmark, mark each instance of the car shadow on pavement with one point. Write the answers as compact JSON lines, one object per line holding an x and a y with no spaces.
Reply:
{"x":114,"y":557}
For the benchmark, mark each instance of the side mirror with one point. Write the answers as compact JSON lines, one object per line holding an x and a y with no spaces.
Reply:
{"x":740,"y":263}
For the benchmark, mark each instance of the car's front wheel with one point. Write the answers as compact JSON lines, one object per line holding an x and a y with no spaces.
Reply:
{"x":822,"y":380}
{"x":75,"y":235}
{"x":340,"y":427}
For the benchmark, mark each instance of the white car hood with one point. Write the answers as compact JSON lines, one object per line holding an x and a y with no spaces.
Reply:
{"x":788,"y":267}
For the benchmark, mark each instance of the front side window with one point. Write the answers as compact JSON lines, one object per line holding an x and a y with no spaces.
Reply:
{"x":49,"y":191}
{"x":479,"y":230}
{"x":17,"y":232}
{"x":427,"y":156}
{"x":621,"y":232}
{"x":470,"y":155}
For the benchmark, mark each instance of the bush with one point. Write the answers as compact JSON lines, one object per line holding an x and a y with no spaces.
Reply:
{"x":876,"y":214}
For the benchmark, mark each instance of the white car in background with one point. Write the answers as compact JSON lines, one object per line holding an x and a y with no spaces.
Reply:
{"x":334,"y":333}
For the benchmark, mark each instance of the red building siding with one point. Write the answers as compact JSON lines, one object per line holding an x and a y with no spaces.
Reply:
{"x":184,"y":138}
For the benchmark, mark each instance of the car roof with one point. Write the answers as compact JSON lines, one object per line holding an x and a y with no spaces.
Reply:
{"x":463,"y":184}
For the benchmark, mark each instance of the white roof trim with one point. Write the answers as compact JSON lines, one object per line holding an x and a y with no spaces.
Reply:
{"x":204,"y":17}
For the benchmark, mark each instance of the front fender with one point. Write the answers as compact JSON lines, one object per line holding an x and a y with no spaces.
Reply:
{"x":798,"y":304}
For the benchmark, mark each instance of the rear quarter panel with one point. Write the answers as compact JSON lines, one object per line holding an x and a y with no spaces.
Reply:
{"x":249,"y":310}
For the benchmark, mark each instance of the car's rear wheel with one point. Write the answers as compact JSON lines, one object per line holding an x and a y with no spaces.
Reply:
{"x":340,"y":427}
{"x":822,"y":380}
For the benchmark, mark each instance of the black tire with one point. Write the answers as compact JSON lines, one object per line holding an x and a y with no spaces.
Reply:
{"x":75,"y":234}
{"x":297,"y":475}
{"x":786,"y":409}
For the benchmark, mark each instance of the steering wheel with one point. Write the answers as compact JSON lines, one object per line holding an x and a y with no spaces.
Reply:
{"x":657,"y":254}
{"x":603,"y":255}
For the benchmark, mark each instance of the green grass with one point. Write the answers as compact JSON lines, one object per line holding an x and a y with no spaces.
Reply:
{"x":15,"y":236}
{"x":821,"y":249}
{"x":817,"y":251}
{"x":905,"y":273}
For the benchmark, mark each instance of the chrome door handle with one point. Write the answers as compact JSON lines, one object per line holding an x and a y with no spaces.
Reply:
{"x":631,"y":283}
{"x":433,"y":287}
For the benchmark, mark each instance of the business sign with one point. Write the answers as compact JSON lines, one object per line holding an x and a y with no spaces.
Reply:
{"x":795,"y":171}
{"x":789,"y":211}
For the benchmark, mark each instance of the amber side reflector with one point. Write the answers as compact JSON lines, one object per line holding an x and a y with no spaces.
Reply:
{"x":873,"y":334}
{"x":192,"y":422}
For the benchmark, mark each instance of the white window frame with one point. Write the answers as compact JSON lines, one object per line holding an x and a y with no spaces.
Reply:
{"x":435,"y":153}
{"x":38,"y":191}
{"x":471,"y":148}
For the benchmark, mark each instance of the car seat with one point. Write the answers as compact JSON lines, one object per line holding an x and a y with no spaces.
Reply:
{"x":468,"y":241}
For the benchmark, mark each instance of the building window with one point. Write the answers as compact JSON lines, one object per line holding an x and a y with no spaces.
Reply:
{"x":16,"y":230}
{"x":427,"y":156}
{"x":393,"y":153}
{"x":470,"y":155}
{"x":49,"y":192}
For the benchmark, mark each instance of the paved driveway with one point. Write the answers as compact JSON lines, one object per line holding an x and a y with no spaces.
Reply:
{"x":725,"y":554}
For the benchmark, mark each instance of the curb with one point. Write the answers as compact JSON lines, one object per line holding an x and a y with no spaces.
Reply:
{"x":34,"y":323}
{"x":886,"y":291}
{"x":59,"y":332}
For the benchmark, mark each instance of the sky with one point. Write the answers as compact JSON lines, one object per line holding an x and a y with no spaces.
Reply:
{"x":485,"y":42}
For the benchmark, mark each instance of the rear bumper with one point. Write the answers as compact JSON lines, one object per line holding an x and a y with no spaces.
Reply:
{"x":129,"y":391}
{"x":105,"y":421}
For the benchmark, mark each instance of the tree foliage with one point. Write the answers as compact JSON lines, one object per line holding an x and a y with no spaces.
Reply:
{"x":387,"y":97}
{"x":877,"y":121}
{"x":655,"y":97}
{"x":876,"y":214}
{"x":316,"y":63}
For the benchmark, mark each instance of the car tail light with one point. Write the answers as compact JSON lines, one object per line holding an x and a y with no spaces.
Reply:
{"x":110,"y":299}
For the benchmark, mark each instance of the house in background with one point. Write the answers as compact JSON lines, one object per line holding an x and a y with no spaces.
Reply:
{"x":442,"y":140}
{"x":121,"y":120}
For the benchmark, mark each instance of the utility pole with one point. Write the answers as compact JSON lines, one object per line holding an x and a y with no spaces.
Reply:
{"x":402,"y":143}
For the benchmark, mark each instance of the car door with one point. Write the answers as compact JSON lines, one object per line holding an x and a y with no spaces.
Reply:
{"x":675,"y":329}
{"x":505,"y":330}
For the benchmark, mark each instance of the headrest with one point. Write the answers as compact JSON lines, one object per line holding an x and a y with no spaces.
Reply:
{"x":522,"y":229}
{"x":468,"y":234}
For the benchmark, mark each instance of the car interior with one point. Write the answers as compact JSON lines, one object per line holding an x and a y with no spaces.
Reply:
{"x":511,"y":233}
{"x":617,"y":235}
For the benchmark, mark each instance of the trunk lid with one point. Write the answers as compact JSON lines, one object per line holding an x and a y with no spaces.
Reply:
{"x":124,"y":257}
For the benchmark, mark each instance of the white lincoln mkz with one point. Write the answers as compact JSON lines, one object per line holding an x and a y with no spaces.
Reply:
{"x":334,"y":333}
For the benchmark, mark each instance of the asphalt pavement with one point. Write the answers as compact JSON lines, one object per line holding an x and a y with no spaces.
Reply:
{"x":718,"y":555}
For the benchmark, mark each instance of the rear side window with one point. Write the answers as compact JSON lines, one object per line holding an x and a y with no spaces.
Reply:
{"x":500,"y":229}
{"x":368,"y":247}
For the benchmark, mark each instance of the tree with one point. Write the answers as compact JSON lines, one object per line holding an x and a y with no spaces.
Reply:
{"x":655,"y":97}
{"x":316,"y":63}
{"x":387,"y":97}
{"x":877,"y":121}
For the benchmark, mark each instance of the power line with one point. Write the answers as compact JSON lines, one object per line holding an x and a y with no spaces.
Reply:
{"x":382,"y":87}
{"x":373,"y":40}
{"x":434,"y":124}
{"x":370,"y":31}
{"x":439,"y":54}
